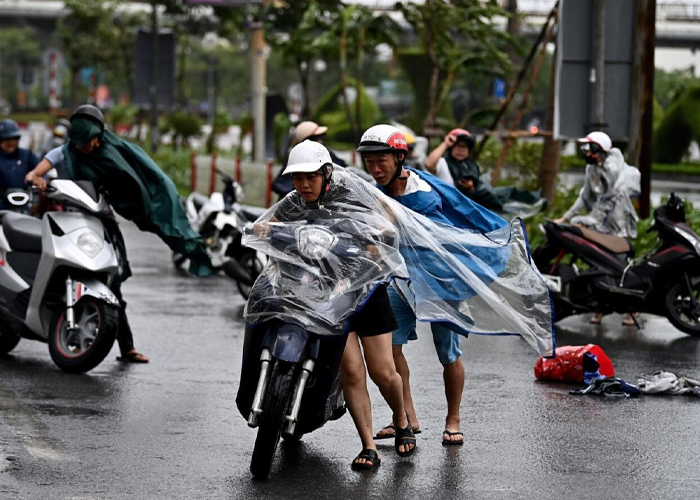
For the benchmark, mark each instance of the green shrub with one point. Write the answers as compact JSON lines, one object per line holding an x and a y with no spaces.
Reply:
{"x":176,"y":165}
{"x":679,"y":126}
{"x":122,"y":114}
{"x":183,"y":126}
{"x":521,"y":165}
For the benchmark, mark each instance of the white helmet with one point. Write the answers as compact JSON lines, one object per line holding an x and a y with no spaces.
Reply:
{"x":307,"y":156}
{"x":600,"y":138}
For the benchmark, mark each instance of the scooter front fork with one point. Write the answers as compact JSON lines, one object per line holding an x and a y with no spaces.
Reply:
{"x":256,"y":409}
{"x":70,"y":314}
{"x":291,"y":419}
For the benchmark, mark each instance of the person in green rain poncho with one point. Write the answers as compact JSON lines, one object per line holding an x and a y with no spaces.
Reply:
{"x":137,"y":190}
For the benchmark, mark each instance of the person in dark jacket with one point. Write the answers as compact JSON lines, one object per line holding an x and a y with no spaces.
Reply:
{"x":15,"y":162}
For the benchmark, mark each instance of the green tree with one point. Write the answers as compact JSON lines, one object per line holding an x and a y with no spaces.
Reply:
{"x":456,"y":35}
{"x":291,"y":26}
{"x":356,"y":31}
{"x":89,"y":38}
{"x":20,"y":50}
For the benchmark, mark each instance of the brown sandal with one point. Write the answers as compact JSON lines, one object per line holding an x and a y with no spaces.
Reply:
{"x":133,"y":356}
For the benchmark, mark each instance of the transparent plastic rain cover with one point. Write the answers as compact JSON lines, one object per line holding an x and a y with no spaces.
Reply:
{"x":325,"y":260}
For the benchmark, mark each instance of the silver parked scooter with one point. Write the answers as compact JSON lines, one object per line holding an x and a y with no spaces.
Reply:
{"x":55,"y":277}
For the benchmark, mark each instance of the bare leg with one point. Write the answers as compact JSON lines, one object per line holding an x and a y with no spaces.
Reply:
{"x":596,"y":319}
{"x":453,"y":375}
{"x":403,"y":370}
{"x":352,"y":375}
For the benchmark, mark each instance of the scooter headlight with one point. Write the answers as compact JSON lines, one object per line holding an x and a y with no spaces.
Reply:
{"x":88,"y":241}
{"x":314,"y":242}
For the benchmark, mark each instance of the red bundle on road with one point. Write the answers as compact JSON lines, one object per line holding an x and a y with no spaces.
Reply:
{"x":580,"y":364}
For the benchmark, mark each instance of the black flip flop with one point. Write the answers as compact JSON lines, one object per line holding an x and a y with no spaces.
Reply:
{"x":366,"y":454}
{"x":453,"y":443}
{"x":405,"y":437}
{"x":392,"y":436}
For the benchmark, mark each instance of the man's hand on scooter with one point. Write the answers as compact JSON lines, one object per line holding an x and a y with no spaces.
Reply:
{"x":34,"y":180}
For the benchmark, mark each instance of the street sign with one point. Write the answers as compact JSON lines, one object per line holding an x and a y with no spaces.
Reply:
{"x":143,"y":69}
{"x":576,"y":70}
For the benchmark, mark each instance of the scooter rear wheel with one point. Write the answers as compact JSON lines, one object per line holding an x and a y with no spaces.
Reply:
{"x":681,"y":310}
{"x":84,"y":348}
{"x":277,"y":395}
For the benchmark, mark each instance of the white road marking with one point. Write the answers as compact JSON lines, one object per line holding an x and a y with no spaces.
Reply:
{"x":32,"y":432}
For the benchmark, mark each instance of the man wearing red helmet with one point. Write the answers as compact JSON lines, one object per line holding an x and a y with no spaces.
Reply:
{"x":383,"y":149}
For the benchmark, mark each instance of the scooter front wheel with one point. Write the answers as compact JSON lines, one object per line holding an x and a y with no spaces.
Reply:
{"x":83,"y":348}
{"x":682,"y":309}
{"x":278,"y":393}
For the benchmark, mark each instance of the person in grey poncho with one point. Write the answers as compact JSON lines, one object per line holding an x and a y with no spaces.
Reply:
{"x":607,"y":189}
{"x":605,"y":195}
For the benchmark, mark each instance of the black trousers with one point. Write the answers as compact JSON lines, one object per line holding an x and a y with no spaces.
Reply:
{"x":124,"y":336}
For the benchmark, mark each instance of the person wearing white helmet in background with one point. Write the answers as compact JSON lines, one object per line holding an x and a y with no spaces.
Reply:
{"x":310,"y":166}
{"x":605,"y":196}
{"x":384,"y":149}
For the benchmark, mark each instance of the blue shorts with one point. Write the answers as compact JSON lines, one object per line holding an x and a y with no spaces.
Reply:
{"x":446,"y":341}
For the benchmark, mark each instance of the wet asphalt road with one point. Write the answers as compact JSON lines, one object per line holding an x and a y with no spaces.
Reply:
{"x":170,"y":429}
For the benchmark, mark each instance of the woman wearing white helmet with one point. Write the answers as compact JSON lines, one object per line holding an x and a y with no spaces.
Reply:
{"x":605,"y":195}
{"x":320,"y":193}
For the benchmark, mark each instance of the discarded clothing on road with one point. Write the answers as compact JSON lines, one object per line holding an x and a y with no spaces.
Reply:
{"x":610,"y":387}
{"x":667,"y":383}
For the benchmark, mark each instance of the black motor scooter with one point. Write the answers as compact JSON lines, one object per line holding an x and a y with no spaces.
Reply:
{"x":290,"y":381}
{"x":665,"y":282}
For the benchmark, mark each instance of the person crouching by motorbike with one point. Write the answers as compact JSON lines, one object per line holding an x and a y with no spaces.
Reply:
{"x":15,"y":162}
{"x":608,"y":185}
{"x":311,"y":169}
{"x":136,"y":189}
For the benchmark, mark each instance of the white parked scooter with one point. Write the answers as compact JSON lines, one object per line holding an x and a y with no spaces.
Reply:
{"x":220,"y":220}
{"x":55,"y":277}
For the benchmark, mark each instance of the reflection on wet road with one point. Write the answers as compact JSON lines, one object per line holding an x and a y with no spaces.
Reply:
{"x":170,"y":429}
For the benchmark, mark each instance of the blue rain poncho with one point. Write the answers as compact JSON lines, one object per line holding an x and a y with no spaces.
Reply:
{"x":469,"y":269}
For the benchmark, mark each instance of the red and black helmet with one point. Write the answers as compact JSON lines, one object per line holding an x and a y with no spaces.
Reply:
{"x":385,"y":139}
{"x":461,"y":134}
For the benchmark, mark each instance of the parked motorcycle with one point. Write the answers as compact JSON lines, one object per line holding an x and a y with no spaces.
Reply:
{"x":220,"y":219}
{"x":290,"y":382}
{"x":55,"y":277}
{"x":602,"y":275}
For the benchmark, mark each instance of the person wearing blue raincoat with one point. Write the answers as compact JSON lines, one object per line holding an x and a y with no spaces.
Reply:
{"x":470,"y":272}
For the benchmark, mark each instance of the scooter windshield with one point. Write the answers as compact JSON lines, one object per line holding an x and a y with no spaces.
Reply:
{"x":325,"y":259}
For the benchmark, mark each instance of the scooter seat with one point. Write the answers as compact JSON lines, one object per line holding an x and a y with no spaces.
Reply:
{"x":615,"y":244}
{"x":23,"y":233}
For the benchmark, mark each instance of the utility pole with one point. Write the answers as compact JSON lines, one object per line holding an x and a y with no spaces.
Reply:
{"x":259,"y":88}
{"x":597,"y":70}
{"x":642,"y":105}
{"x":153,"y":89}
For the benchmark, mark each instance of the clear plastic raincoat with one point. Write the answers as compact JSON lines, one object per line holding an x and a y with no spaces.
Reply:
{"x":325,"y":260}
{"x":606,"y":196}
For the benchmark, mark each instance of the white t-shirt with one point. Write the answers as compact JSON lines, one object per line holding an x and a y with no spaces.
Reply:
{"x":415,"y":184}
{"x":443,"y":172}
